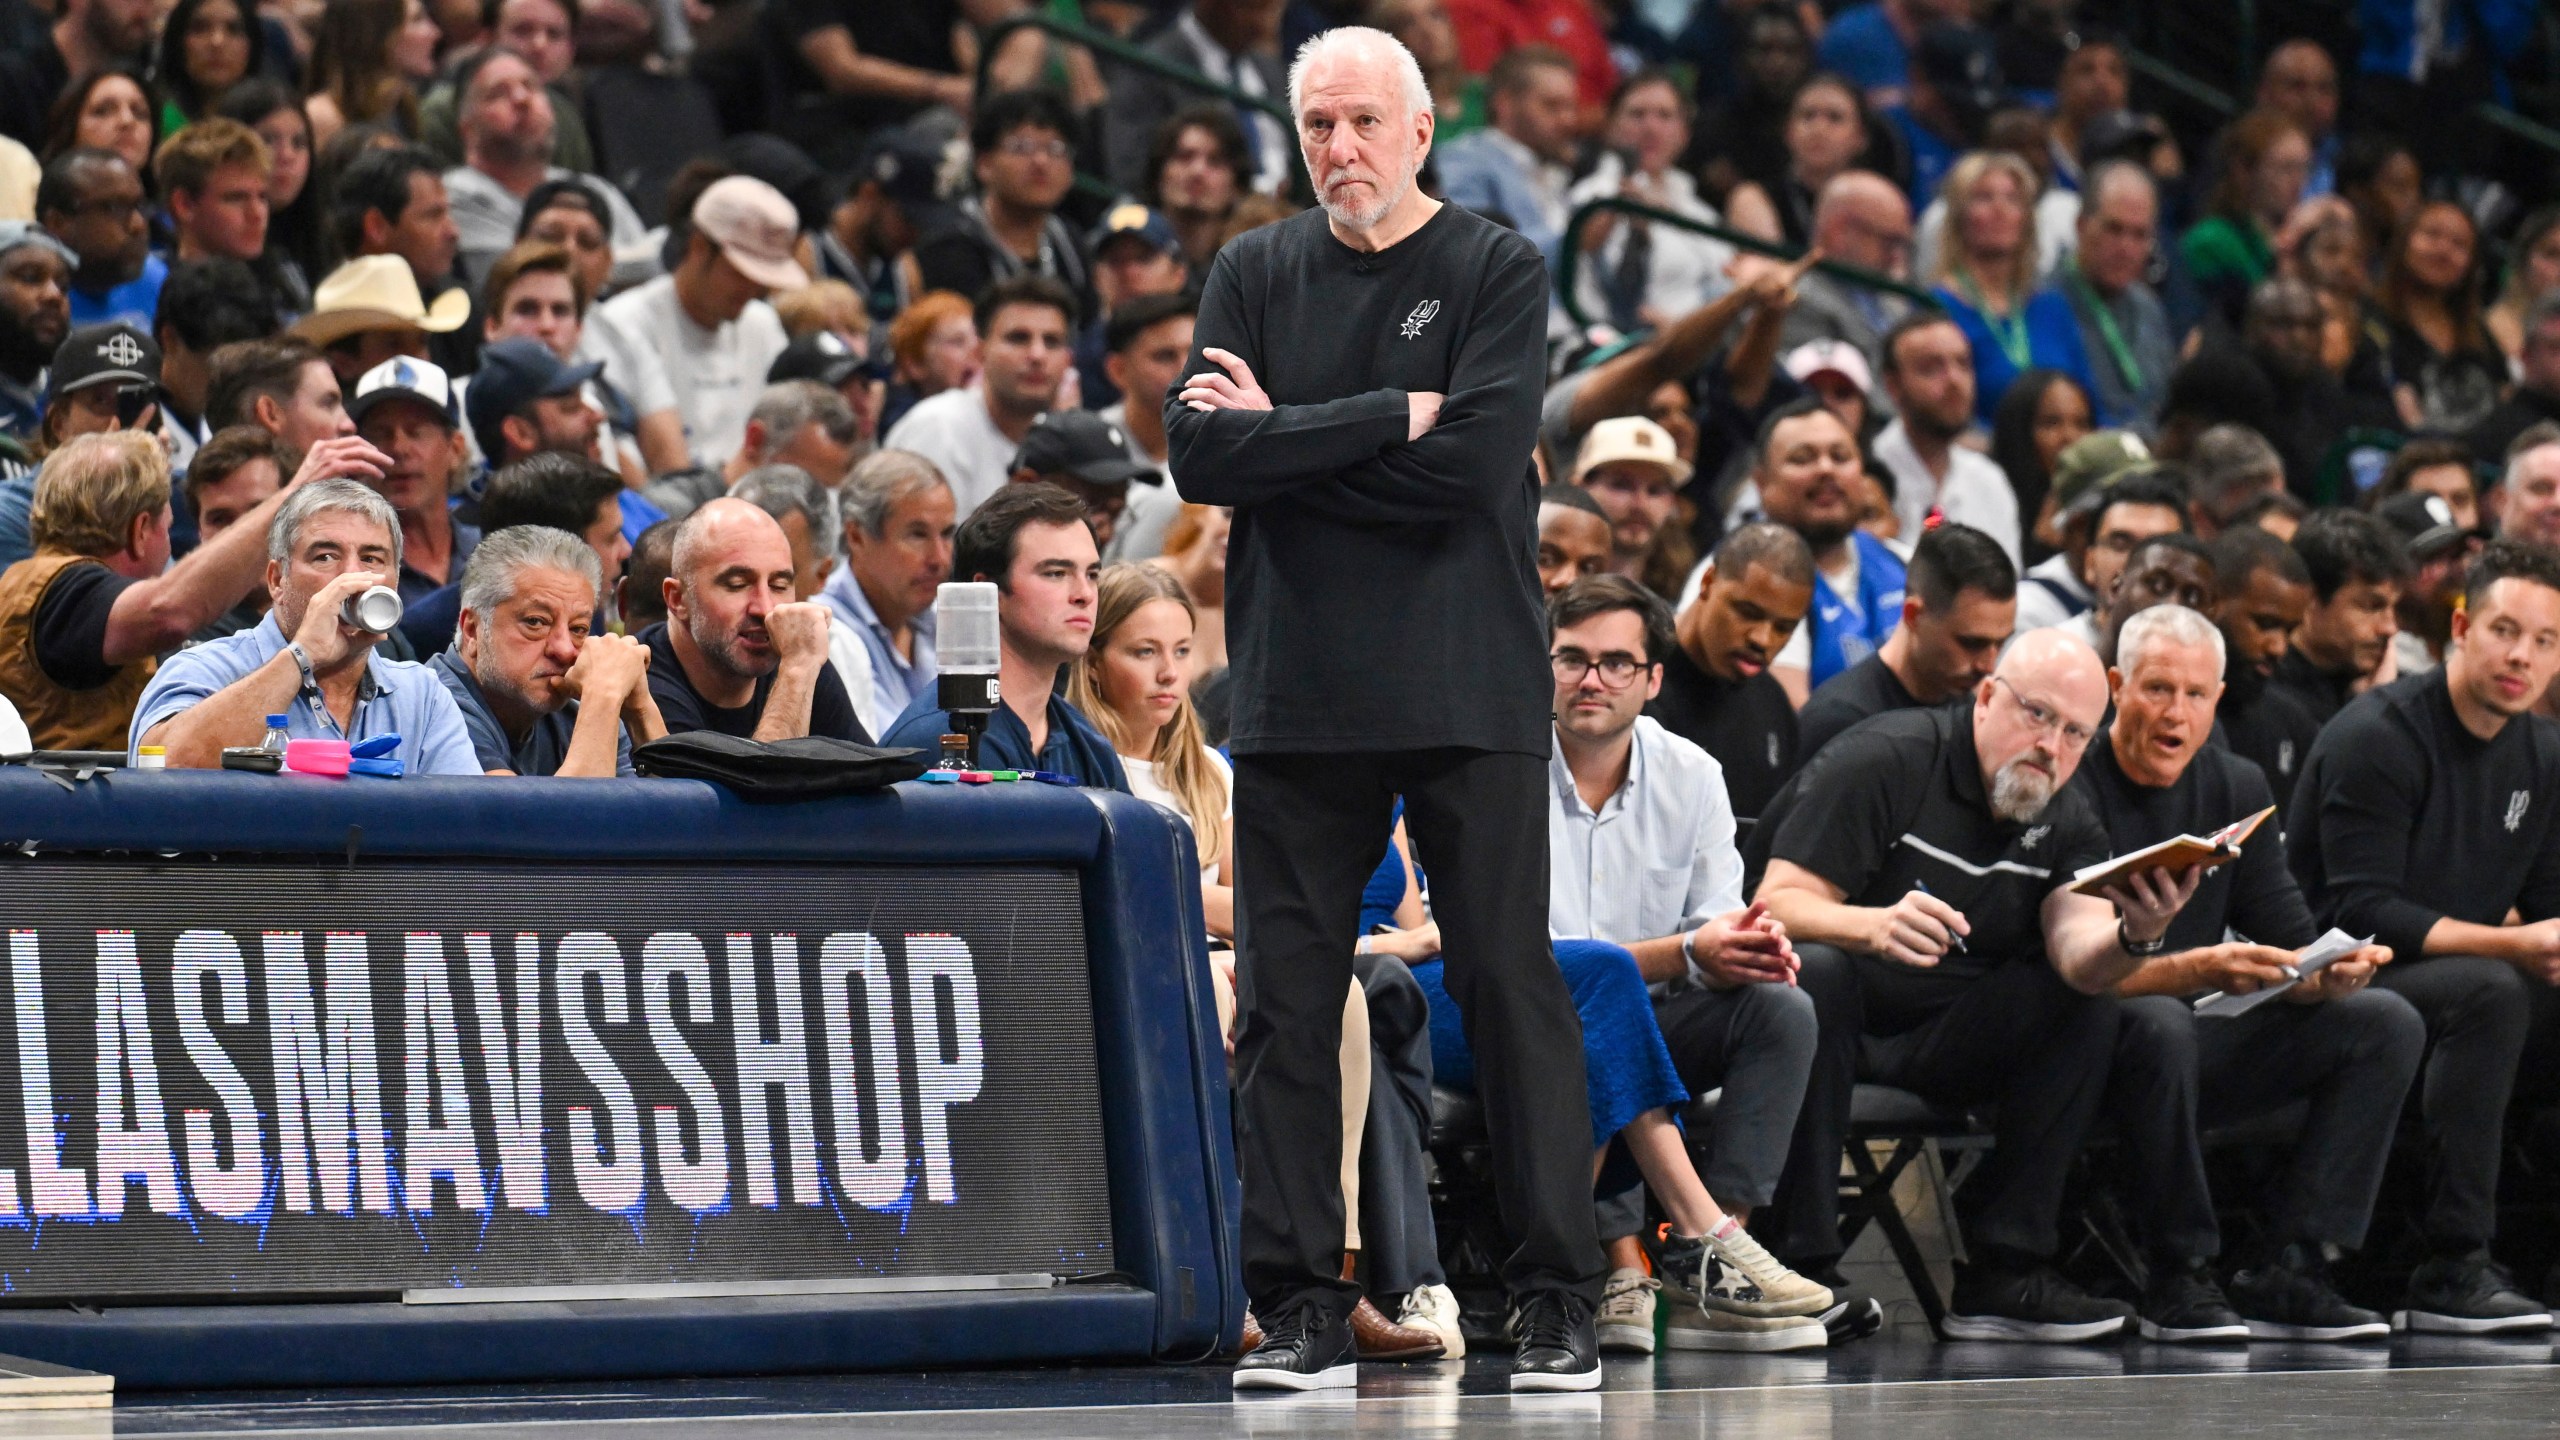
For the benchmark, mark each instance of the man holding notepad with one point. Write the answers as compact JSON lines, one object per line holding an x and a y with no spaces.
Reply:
{"x":2349,"y":1051}
{"x":1922,"y":862}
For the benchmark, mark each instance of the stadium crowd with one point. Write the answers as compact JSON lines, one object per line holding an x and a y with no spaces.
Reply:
{"x":666,"y":358}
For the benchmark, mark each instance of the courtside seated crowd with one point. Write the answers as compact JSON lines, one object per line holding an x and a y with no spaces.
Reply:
{"x":2218,"y":473}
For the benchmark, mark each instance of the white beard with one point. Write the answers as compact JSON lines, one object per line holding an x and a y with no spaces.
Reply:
{"x":1366,"y":216}
{"x":2019,"y":793}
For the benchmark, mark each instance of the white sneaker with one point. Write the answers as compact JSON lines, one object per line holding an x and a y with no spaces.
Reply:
{"x":1742,"y":1278}
{"x":1690,"y":1327}
{"x":1434,"y":1308}
{"x":1625,"y":1317}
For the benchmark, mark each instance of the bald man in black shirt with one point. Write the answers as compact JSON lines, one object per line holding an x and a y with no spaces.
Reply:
{"x":2348,"y":1051}
{"x":2428,"y":810}
{"x":1717,"y":691}
{"x":1922,"y":863}
{"x":1365,"y":394}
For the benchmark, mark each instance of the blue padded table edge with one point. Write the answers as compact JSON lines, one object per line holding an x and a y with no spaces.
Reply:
{"x":385,"y":1343}
{"x":234,"y":812}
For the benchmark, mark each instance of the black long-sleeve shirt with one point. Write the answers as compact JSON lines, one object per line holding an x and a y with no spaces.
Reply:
{"x":2321,"y":694}
{"x":1382,"y":594}
{"x":2254,"y":895}
{"x":2268,"y":727}
{"x":1861,"y":692}
{"x":2403,"y":817}
{"x":1748,"y":725}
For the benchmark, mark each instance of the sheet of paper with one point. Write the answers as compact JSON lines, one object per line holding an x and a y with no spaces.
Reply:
{"x":2323,"y":951}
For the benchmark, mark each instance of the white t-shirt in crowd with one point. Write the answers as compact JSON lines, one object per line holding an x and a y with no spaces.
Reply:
{"x":1152,"y":502}
{"x":1975,"y":492}
{"x":955,"y":432}
{"x":1144,"y":785}
{"x":716,"y":374}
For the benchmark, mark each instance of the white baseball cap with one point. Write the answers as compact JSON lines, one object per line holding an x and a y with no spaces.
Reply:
{"x":755,"y":227}
{"x":1836,"y":356}
{"x":402,"y":378}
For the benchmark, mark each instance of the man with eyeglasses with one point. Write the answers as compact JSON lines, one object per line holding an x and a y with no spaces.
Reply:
{"x":1640,"y":840}
{"x":1024,"y":156}
{"x":2123,"y":326}
{"x":1860,"y":219}
{"x":1922,"y":864}
{"x":92,"y":201}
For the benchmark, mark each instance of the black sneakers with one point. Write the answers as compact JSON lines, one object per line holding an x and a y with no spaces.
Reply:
{"x":1559,"y":1348}
{"x":2183,"y":1306}
{"x":1305,"y":1347}
{"x":2469,"y":1295}
{"x":1854,"y":1314}
{"x":2032,"y":1304}
{"x":2290,"y":1298}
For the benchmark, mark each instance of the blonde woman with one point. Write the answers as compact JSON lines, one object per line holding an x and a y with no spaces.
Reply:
{"x":1134,"y":684}
{"x":1986,"y":277}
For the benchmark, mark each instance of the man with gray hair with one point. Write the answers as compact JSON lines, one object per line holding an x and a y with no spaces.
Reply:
{"x":794,"y":422}
{"x":1412,"y":408}
{"x":2347,"y":1051}
{"x":806,"y":511}
{"x":331,"y":541}
{"x":539,"y":693}
{"x":899,"y":516}
{"x":2123,"y":325}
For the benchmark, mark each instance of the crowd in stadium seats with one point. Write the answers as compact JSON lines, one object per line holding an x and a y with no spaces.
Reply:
{"x":2115,"y":476}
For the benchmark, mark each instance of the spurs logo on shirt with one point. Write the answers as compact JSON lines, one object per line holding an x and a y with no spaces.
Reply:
{"x":1420,"y":317}
{"x":2516,"y":806}
{"x":2028,"y":840}
{"x":1772,"y":738}
{"x":2284,"y":757}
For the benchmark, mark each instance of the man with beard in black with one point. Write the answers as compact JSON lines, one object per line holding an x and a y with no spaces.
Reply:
{"x":35,"y":313}
{"x":2281,"y":334}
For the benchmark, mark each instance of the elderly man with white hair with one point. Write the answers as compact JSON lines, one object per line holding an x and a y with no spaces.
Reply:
{"x":1923,"y":862}
{"x":1365,"y":394}
{"x":2346,"y":1051}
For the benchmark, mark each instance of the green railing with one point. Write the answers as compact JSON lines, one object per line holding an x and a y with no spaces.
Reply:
{"x":1105,"y":44}
{"x":1569,"y":263}
{"x":2197,"y":92}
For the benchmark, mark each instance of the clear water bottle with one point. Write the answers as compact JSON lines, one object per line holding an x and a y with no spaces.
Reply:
{"x":275,"y":739}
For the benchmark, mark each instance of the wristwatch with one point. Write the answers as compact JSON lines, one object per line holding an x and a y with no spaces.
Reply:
{"x":2140,"y":949}
{"x":1689,"y":957}
{"x":302,"y":657}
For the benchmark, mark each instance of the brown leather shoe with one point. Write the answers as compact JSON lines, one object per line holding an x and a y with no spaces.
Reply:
{"x":1252,"y":1340}
{"x":1380,"y":1338}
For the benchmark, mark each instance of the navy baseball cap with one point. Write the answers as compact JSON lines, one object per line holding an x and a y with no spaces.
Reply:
{"x":514,"y":373}
{"x":1962,"y":64}
{"x":1082,"y":444}
{"x":907,"y":166}
{"x":1139,"y":221}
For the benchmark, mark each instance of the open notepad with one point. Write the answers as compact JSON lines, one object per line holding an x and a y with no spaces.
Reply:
{"x":2328,"y":948}
{"x":2176,"y":853}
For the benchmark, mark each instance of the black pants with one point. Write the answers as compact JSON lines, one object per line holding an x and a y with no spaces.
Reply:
{"x":2177,"y":1075}
{"x":2015,"y":1035}
{"x":2481,"y":1015}
{"x":1309,"y":831}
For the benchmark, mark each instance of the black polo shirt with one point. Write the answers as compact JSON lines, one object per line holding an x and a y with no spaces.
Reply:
{"x":1865,"y":689}
{"x":1748,"y":725}
{"x":1899,"y":801}
{"x":2254,"y":895}
{"x":2269,"y":728}
{"x":2404,"y":817}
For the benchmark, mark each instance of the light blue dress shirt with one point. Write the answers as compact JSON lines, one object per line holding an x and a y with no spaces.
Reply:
{"x":394,"y":698}
{"x":895,"y":681}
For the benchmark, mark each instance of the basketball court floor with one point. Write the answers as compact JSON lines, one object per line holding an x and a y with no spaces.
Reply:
{"x":1899,"y":1385}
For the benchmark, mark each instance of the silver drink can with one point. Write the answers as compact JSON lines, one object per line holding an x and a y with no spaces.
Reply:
{"x":376,"y":609}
